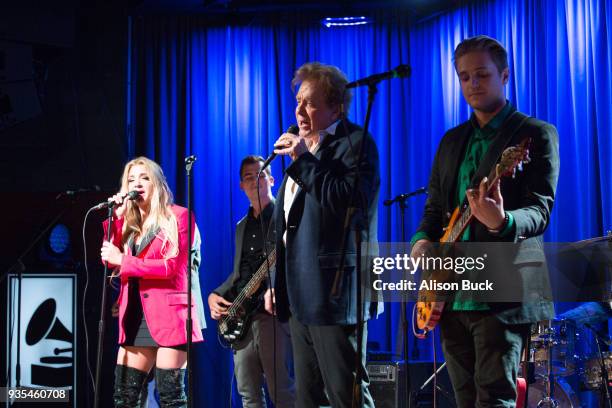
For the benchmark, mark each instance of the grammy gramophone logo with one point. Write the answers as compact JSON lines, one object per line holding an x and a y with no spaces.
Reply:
{"x":54,"y":370}
{"x":45,"y":331}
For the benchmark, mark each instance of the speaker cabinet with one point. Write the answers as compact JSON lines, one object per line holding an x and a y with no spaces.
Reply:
{"x":389,"y":381}
{"x":388,"y":384}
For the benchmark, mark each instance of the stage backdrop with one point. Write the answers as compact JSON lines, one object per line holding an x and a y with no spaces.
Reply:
{"x":221,"y":91}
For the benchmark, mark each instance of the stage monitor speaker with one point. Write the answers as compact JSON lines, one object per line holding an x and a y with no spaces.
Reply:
{"x":388,"y":384}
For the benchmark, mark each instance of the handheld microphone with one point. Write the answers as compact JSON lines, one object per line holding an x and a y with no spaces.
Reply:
{"x":401,"y":71}
{"x":132,"y":195}
{"x":294,"y":130}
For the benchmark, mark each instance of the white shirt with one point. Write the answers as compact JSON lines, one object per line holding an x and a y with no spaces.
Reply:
{"x":291,"y":187}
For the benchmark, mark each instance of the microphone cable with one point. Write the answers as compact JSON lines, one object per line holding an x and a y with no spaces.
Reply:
{"x":84,"y":316}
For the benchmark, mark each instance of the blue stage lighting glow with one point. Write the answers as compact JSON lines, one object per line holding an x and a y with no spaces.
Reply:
{"x":59,"y":239}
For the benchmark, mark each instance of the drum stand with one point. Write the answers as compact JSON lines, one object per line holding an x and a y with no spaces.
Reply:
{"x":547,"y":400}
{"x":447,"y":395}
{"x":604,"y":387}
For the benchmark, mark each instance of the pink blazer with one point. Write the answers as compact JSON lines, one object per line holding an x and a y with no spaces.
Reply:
{"x":163,"y":285}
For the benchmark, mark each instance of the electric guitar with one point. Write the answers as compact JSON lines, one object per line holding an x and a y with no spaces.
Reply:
{"x":233,"y":327}
{"x":428,"y":309}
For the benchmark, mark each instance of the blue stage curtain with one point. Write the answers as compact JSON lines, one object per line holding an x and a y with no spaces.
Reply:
{"x":221,"y":91}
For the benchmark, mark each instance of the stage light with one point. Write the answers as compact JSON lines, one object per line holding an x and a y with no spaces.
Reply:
{"x":59,"y":239}
{"x":345,"y":21}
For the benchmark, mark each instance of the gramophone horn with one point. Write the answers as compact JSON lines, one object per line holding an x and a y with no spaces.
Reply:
{"x":59,"y":332}
{"x":44,"y":324}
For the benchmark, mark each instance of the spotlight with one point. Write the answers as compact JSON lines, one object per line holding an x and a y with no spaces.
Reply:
{"x":59,"y":239}
{"x":56,"y":250}
{"x":345,"y":21}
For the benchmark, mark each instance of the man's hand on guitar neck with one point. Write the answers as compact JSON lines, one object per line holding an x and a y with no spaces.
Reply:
{"x":489,"y":210}
{"x":218,"y":306}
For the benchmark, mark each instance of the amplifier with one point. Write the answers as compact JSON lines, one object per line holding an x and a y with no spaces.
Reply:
{"x":388,"y":385}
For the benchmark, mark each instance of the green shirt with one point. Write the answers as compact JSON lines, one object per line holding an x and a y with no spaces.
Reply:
{"x":480,"y":140}
{"x":478,"y":145}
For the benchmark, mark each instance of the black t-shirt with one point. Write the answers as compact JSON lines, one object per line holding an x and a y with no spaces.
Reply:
{"x":252,"y":253}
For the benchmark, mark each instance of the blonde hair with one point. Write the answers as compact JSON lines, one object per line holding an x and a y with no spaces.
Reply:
{"x":160,"y":215}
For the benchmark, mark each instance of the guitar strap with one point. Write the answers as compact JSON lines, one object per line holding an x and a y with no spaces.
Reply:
{"x":504,"y":135}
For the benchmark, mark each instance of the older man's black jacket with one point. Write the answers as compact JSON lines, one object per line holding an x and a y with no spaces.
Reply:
{"x":307,"y":264}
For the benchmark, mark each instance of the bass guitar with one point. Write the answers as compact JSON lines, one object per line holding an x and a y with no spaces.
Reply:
{"x":233,"y":327}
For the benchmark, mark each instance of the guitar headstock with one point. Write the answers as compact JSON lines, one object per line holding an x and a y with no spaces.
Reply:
{"x":513,"y":158}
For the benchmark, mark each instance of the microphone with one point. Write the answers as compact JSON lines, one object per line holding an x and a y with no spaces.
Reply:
{"x":294,"y":130}
{"x":402,"y":197}
{"x":132,"y":195}
{"x":401,"y":71}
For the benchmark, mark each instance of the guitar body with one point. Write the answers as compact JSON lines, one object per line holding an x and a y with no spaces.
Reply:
{"x":451,"y":223}
{"x":428,"y":308}
{"x":234,"y":328}
{"x":429,"y":311}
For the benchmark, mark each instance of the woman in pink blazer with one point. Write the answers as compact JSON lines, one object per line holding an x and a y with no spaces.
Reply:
{"x":149,"y":250}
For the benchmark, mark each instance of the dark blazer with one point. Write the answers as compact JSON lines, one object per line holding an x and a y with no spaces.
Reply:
{"x":224,"y":289}
{"x":306,"y":266}
{"x":529,"y":197}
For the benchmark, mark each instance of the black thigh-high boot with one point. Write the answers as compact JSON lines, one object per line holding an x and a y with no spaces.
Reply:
{"x":128,"y":386}
{"x":170,"y":384}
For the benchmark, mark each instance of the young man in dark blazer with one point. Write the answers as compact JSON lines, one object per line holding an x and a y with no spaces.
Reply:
{"x":310,"y":212}
{"x":482,"y":341}
{"x":254,"y":355}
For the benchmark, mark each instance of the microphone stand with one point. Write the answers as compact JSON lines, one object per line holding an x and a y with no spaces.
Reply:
{"x":354,"y":219}
{"x":102,"y":322}
{"x":188,"y":164}
{"x":401,"y":201}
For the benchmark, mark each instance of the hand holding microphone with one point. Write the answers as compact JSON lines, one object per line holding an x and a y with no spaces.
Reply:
{"x":290,"y":143}
{"x":119,"y":202}
{"x":293,"y":129}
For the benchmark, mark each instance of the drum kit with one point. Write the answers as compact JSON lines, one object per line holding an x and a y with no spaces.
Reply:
{"x":554,"y":365}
